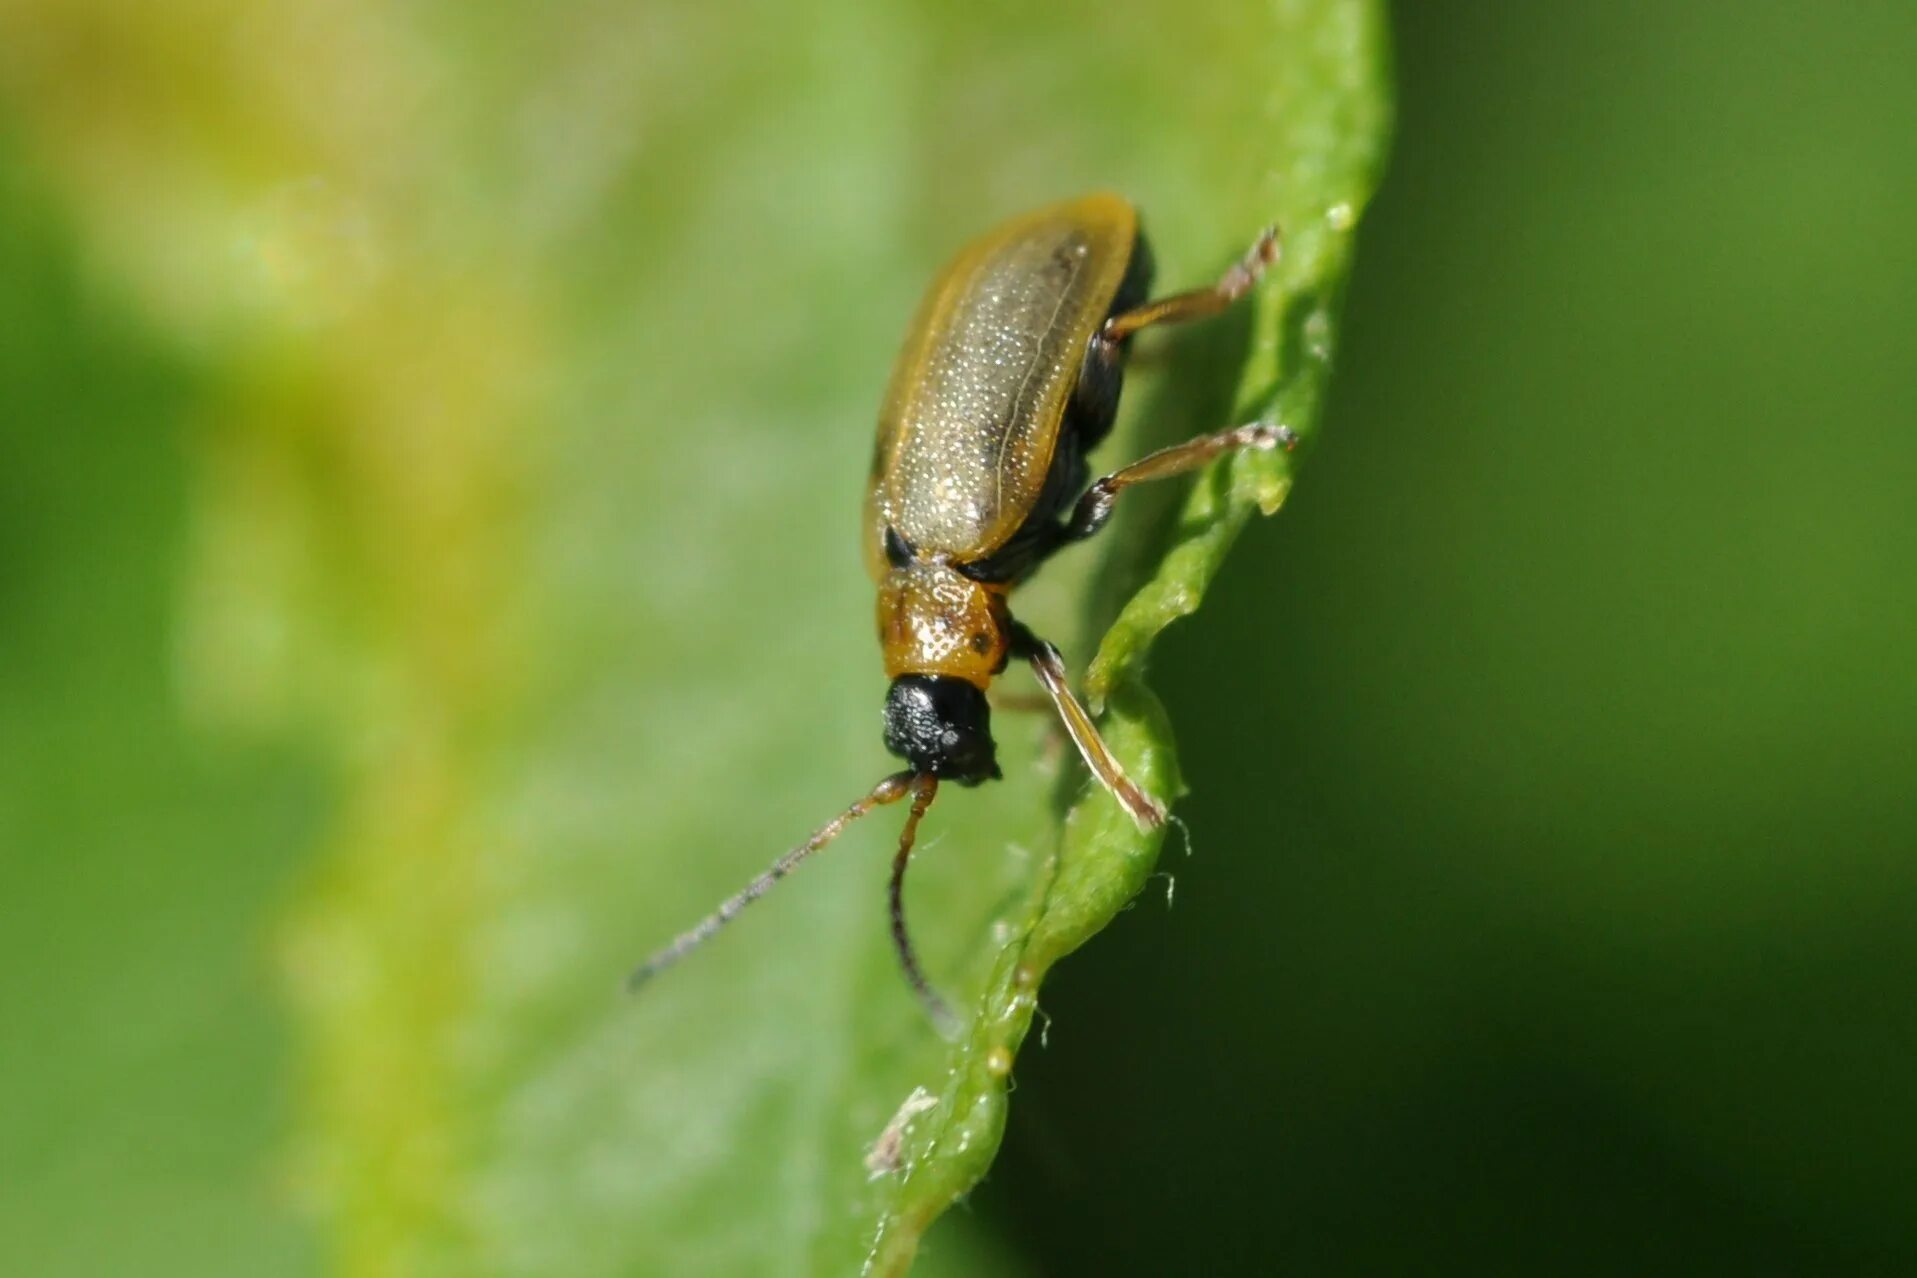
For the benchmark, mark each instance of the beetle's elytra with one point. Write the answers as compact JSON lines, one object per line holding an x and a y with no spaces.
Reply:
{"x":1009,"y":377}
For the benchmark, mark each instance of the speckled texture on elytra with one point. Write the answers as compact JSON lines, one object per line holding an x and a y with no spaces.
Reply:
{"x":979,"y":390}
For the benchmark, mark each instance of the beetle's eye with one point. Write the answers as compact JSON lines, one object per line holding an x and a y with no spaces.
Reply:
{"x":897,"y":552}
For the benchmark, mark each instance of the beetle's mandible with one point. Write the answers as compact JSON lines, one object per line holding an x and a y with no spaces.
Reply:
{"x":1009,"y":377}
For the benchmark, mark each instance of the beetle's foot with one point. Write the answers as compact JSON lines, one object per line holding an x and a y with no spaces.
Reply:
{"x":1266,"y":436}
{"x":1263,"y":252}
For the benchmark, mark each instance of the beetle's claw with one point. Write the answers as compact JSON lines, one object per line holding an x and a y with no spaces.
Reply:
{"x":1268,"y":247}
{"x":1266,"y":436}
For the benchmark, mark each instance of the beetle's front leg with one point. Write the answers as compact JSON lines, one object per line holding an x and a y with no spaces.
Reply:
{"x":1095,"y":507}
{"x":1145,"y":811}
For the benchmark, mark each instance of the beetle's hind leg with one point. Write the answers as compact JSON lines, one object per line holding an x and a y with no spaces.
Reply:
{"x":1199,"y":302}
{"x":1105,"y":351}
{"x":1095,"y":507}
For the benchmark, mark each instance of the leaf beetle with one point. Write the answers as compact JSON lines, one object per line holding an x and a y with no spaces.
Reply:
{"x":1009,"y":377}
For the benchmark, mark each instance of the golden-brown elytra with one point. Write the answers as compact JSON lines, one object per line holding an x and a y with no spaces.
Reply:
{"x":1009,"y":377}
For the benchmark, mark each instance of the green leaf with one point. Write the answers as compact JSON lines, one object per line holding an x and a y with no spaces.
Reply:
{"x":548,"y":346}
{"x":1321,"y":126}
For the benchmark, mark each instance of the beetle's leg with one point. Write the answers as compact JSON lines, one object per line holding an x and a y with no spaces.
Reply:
{"x":1148,"y":813}
{"x":1019,"y":702}
{"x":1095,"y":507}
{"x":1052,"y":741}
{"x":1199,"y":302}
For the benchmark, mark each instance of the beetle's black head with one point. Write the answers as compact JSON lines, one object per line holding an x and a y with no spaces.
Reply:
{"x":943,"y":726}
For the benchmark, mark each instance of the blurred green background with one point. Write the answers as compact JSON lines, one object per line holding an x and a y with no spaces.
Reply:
{"x":377,"y":552}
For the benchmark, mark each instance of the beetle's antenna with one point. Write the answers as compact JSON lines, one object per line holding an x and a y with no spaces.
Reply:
{"x":890,"y":790}
{"x":925,"y":788}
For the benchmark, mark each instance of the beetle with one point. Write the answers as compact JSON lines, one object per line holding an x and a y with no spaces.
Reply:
{"x":1009,"y":377}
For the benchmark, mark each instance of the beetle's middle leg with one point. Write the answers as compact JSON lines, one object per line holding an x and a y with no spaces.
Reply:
{"x":1199,"y":302}
{"x":1146,"y":812}
{"x":1095,"y":507}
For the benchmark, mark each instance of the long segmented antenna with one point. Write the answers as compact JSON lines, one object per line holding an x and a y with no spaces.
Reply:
{"x":890,"y":790}
{"x":925,"y":788}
